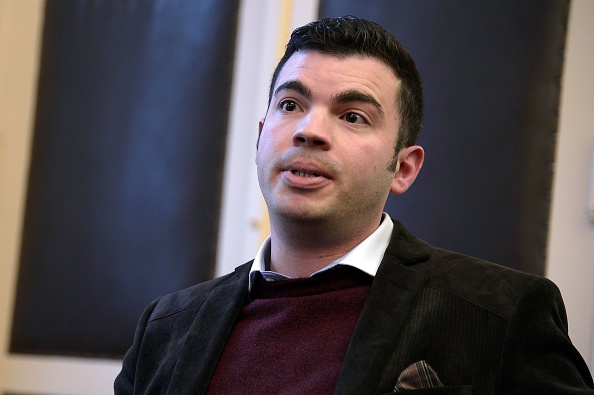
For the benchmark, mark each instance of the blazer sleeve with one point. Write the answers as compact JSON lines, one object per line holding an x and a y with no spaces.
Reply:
{"x":124,"y":382}
{"x":538,"y":356}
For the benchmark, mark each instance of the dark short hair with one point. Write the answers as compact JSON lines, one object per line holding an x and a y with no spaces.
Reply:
{"x":352,"y":36}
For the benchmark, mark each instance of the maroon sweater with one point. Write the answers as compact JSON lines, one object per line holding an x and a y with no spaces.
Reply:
{"x":293,"y":335}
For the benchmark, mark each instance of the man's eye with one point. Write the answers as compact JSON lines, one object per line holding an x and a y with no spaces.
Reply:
{"x":352,"y":117}
{"x":288,"y":105}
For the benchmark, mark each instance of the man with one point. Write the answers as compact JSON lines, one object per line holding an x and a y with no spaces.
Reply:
{"x":341,"y":298}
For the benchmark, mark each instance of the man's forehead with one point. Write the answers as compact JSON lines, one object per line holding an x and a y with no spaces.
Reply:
{"x":289,"y":76}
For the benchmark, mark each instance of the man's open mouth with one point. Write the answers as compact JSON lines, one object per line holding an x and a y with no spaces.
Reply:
{"x":302,"y":174}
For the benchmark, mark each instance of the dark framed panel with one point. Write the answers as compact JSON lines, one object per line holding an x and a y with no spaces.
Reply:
{"x":126,"y":169}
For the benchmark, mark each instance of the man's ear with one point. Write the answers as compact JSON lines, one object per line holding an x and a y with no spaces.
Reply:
{"x":410,"y":161}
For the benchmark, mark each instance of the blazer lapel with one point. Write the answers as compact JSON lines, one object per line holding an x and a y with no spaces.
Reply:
{"x":208,"y":335}
{"x":391,"y":299}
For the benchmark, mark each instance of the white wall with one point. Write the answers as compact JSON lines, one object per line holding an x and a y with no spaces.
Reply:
{"x":571,"y":238}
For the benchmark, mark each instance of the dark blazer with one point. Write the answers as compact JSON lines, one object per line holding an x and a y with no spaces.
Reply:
{"x":483,"y":328}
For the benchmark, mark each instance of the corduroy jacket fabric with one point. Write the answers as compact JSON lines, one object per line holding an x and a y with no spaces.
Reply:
{"x":484,"y":328}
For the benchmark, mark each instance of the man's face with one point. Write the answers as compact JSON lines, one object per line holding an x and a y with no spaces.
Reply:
{"x":328,"y":139}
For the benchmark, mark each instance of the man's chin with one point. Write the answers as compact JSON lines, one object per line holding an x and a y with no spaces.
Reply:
{"x":304,"y":215}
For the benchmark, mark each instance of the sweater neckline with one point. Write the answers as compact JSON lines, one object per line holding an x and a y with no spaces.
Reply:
{"x":340,"y":277}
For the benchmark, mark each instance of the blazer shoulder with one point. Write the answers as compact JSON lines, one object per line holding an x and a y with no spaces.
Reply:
{"x":491,"y":286}
{"x":194,"y":296}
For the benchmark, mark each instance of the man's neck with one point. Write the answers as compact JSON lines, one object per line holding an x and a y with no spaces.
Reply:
{"x":299,"y":252}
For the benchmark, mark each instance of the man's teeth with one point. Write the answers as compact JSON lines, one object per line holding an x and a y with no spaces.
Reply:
{"x":302,"y":174}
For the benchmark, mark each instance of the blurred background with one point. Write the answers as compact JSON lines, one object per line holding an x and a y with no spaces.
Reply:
{"x":127,"y":141}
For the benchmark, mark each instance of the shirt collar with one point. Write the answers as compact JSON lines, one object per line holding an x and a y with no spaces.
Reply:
{"x":366,"y":256}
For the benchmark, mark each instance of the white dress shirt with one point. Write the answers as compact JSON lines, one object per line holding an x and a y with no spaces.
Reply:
{"x":366,"y":256}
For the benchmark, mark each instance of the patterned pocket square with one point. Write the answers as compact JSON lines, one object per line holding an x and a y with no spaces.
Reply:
{"x":419,"y":375}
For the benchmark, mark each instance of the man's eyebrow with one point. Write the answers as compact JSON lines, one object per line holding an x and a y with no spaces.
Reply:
{"x":296,"y":86}
{"x":357,"y":96}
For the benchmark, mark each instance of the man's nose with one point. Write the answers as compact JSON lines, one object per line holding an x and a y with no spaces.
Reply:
{"x":313,"y":131}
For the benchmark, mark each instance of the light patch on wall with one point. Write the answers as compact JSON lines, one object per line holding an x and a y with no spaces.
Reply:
{"x":591,"y":189}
